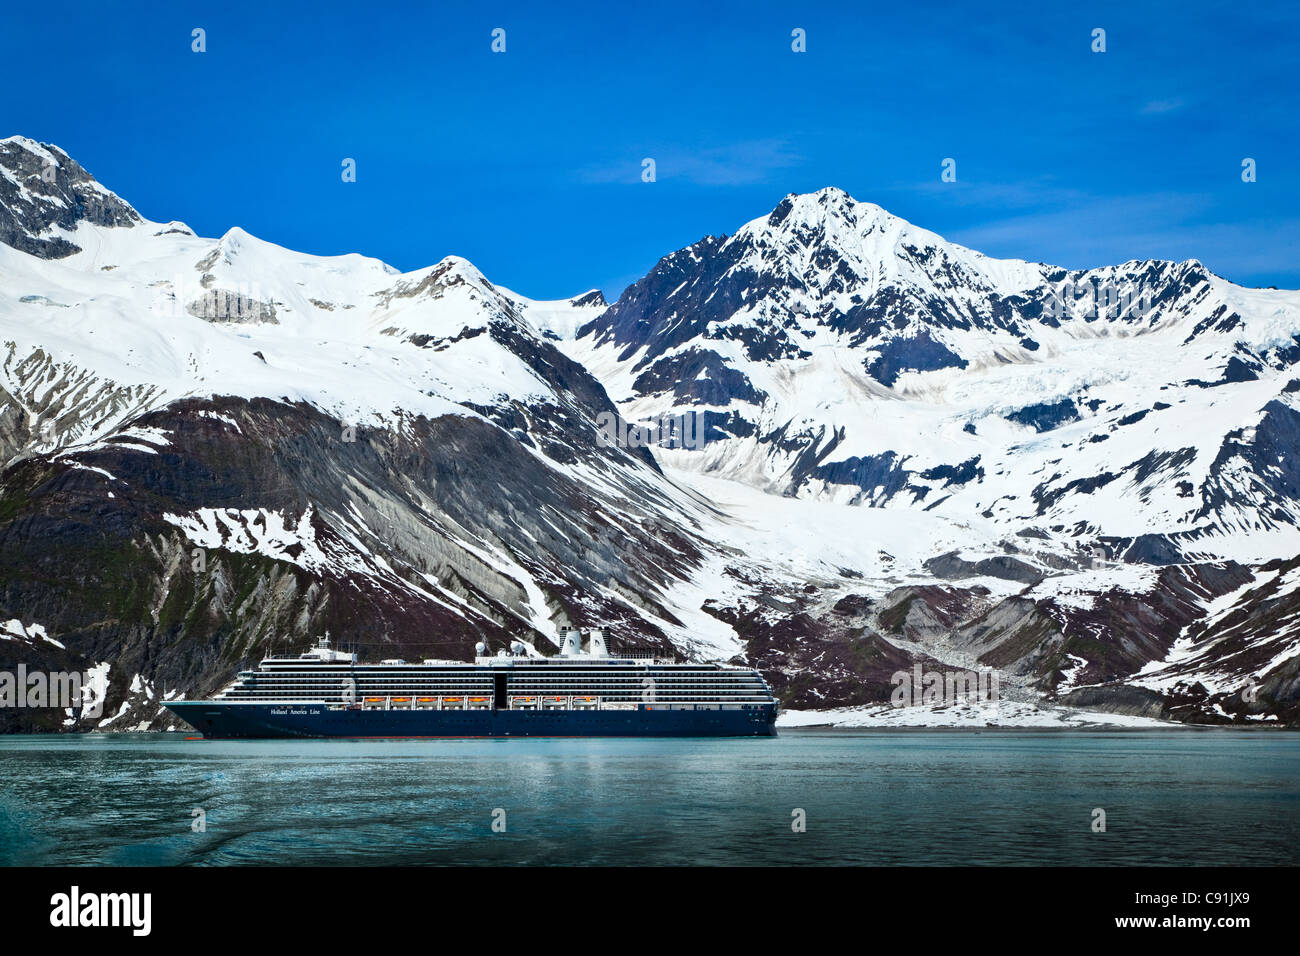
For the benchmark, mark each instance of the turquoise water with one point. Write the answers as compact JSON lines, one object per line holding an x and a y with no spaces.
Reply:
{"x":948,"y":797}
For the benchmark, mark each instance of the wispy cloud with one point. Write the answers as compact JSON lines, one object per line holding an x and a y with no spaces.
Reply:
{"x":1024,"y":194}
{"x":1175,"y":226}
{"x":744,"y":163}
{"x":1162,"y":106}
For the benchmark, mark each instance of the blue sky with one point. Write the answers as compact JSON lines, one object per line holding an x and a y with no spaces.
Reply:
{"x":528,"y":163}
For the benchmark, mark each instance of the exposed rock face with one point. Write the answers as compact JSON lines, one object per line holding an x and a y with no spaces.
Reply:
{"x":1120,"y":699}
{"x":1008,"y":568}
{"x":256,"y":525}
{"x":222,"y":305}
{"x":42,"y":191}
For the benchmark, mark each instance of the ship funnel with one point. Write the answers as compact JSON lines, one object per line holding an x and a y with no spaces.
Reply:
{"x":572,"y":646}
{"x":480,"y":649}
{"x":598,"y":648}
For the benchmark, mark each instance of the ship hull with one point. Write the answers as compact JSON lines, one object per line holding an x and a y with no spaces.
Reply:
{"x":226,"y":720}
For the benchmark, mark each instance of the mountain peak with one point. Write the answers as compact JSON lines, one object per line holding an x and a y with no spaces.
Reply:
{"x":45,"y":195}
{"x":45,"y":151}
{"x":830,"y":222}
{"x":827,"y":202}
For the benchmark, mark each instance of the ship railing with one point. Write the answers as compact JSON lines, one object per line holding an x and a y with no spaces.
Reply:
{"x":553,"y":702}
{"x":477,"y":701}
{"x":540,"y":702}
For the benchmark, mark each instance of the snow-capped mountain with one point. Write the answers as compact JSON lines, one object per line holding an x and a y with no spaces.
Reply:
{"x":1118,"y":434}
{"x":838,"y":352}
{"x":914,"y":454}
{"x":213,"y":445}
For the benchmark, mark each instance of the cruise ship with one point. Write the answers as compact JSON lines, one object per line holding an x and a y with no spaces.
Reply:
{"x":580,"y":692}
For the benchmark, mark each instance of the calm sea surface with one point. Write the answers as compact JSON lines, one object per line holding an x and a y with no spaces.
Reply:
{"x":948,"y":797}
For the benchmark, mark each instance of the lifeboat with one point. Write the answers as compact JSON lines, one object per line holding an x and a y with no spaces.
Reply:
{"x":401,"y":700}
{"x":374,"y":700}
{"x":425,"y":700}
{"x":477,"y":700}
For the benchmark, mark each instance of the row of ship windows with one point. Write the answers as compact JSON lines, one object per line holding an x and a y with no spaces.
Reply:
{"x":511,"y":675}
{"x":515,"y":682}
{"x":393,"y":673}
{"x":336,"y":693}
{"x":516,"y":689}
{"x":340,"y":695}
{"x":584,"y":690}
{"x":460,"y":674}
{"x":557,"y":666}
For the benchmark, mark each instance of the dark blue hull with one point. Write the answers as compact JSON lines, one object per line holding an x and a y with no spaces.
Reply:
{"x":316,"y":720}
